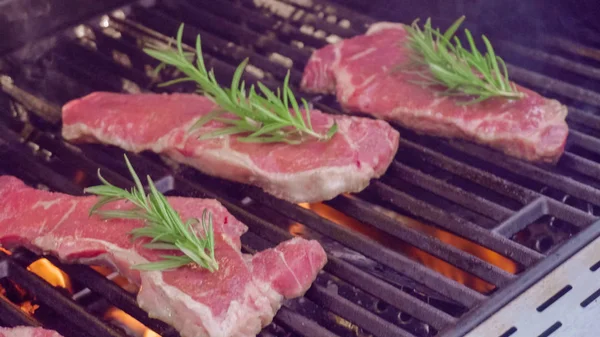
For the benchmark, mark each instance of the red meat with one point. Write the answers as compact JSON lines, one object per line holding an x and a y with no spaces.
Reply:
{"x":363,"y":73}
{"x":310,"y":172}
{"x":237,"y":300}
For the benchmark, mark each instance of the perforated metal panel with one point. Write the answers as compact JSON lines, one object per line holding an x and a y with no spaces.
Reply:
{"x":563,"y":304}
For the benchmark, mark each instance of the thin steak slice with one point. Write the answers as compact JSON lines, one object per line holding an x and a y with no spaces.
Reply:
{"x":310,"y":172}
{"x":23,"y":331}
{"x":363,"y":73}
{"x":237,"y":300}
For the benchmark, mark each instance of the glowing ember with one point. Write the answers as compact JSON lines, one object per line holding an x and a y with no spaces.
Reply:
{"x":51,"y":273}
{"x":56,"y":277}
{"x":421,"y":256}
{"x":133,"y":327}
{"x":29,"y":307}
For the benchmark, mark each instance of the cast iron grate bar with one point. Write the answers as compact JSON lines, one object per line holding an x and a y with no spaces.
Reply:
{"x":455,"y":224}
{"x":47,"y":295}
{"x":450,"y":192}
{"x":365,"y":212}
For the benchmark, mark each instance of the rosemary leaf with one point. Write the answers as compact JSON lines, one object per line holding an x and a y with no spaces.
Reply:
{"x":257,"y":119}
{"x":441,"y":60}
{"x":164,"y":227}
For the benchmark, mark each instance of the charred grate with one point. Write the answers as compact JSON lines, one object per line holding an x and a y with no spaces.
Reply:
{"x":372,"y":284}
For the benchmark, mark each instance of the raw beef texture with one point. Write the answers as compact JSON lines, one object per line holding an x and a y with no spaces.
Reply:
{"x":237,"y":300}
{"x":363,"y":73}
{"x":310,"y":172}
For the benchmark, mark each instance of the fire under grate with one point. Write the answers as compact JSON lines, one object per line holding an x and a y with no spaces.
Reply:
{"x":409,"y":256}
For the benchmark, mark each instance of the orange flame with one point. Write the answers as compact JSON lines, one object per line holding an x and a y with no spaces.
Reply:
{"x":51,"y":274}
{"x":56,"y":277}
{"x":419,"y":255}
{"x":129,"y":323}
{"x":29,"y":307}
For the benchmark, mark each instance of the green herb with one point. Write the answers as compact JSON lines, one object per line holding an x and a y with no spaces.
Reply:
{"x":163,"y":225}
{"x":243,"y":112}
{"x":441,"y":60}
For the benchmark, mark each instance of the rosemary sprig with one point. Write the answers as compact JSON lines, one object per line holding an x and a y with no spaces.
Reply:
{"x":163,"y":225}
{"x":441,"y":60}
{"x":244,"y":112}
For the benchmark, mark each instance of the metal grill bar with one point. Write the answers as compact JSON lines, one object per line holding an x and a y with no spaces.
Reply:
{"x":358,"y":315}
{"x":389,"y":293}
{"x":483,"y":178}
{"x":455,"y":224}
{"x":558,"y":181}
{"x":450,"y":192}
{"x":546,"y":58}
{"x":364,"y":212}
{"x":46,"y":294}
{"x":584,"y":118}
{"x":528,"y":213}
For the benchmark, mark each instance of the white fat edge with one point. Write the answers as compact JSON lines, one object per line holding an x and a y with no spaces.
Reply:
{"x":343,"y":126}
{"x":50,"y":243}
{"x":282,"y":257}
{"x":156,"y":278}
{"x":328,"y":181}
{"x":379,"y":26}
{"x":368,"y":81}
{"x":275,"y":298}
{"x":65,"y":216}
{"x":235,"y":313}
{"x":344,"y":81}
{"x":338,"y":55}
{"x":81,"y":130}
{"x":46,"y":204}
{"x":74,"y":204}
{"x":331,"y":181}
{"x":362,"y":54}
{"x":467,"y":128}
{"x":169,"y":314}
{"x":162,"y":144}
{"x":243,"y":316}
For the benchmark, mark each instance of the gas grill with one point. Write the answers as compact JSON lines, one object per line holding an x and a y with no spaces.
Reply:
{"x":455,"y":239}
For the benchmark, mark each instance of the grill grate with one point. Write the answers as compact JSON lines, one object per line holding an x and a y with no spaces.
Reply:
{"x":520,"y":210}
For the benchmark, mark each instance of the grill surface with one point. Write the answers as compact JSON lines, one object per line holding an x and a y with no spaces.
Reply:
{"x":369,"y":287}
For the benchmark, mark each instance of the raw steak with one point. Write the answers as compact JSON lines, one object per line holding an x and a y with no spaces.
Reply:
{"x":362,"y":72}
{"x":310,"y":172}
{"x":237,"y":300}
{"x":27,"y":332}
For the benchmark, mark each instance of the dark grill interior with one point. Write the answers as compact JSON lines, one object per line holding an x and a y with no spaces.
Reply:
{"x":374,"y":283}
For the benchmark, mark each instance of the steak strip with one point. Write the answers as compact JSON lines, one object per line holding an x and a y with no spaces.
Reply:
{"x":237,"y":300}
{"x":312,"y":171}
{"x":365,"y":74}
